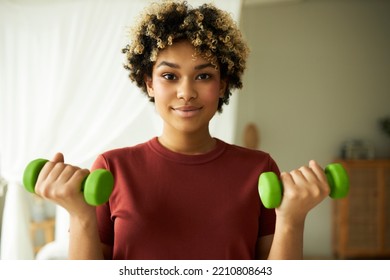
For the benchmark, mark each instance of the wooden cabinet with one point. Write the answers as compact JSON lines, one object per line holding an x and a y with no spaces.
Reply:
{"x":361,"y":221}
{"x":45,"y":227}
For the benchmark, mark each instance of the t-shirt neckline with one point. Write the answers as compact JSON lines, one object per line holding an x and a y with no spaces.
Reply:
{"x":164,"y":152}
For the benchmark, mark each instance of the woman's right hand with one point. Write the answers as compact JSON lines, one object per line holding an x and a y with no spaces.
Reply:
{"x":61,"y":184}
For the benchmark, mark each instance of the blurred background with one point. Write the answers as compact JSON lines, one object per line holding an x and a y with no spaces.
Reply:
{"x":317,"y":87}
{"x":319,"y":80}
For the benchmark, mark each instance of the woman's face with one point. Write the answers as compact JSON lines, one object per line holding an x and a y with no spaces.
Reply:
{"x":186,"y":89}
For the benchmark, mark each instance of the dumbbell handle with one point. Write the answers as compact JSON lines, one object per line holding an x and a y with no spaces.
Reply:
{"x":96,"y":187}
{"x":271,"y":189}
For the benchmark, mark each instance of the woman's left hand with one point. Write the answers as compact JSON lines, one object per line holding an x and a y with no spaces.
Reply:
{"x":303,"y":189}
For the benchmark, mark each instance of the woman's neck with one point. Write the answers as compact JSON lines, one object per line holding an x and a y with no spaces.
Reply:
{"x":187,"y":143}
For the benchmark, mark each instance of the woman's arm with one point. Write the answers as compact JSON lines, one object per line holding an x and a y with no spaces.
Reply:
{"x":60,"y":183}
{"x":303,"y":189}
{"x":84,"y":241}
{"x":287,"y":242}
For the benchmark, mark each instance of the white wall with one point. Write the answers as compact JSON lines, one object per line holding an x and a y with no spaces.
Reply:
{"x":2,"y":197}
{"x":318,"y":75}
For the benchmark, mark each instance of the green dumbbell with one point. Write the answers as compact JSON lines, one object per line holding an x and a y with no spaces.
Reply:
{"x":271,"y":189}
{"x":96,"y":187}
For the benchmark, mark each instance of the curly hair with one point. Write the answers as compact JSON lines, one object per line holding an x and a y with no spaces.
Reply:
{"x":211,"y":31}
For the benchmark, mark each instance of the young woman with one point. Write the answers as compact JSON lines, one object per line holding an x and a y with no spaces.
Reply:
{"x":185,"y":194}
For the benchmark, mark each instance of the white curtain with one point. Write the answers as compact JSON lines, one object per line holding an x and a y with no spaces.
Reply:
{"x":63,"y":88}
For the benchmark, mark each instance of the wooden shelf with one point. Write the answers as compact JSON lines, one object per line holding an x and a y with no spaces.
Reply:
{"x":45,"y":227}
{"x":361,"y":221}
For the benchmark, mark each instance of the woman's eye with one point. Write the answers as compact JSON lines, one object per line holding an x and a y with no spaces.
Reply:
{"x":169,"y":76}
{"x":203,"y":76}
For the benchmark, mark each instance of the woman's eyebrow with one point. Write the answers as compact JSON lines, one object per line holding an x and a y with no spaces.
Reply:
{"x":203,"y":66}
{"x":169,"y":64}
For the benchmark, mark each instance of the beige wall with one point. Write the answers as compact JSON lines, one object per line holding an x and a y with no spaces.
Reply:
{"x":318,"y":75}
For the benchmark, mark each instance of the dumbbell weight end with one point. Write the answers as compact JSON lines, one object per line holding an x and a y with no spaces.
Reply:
{"x":31,"y":173}
{"x":270,"y":190}
{"x":96,"y":187}
{"x":338,"y":180}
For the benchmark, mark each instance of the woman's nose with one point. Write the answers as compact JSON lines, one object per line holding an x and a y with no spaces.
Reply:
{"x":186,"y":90}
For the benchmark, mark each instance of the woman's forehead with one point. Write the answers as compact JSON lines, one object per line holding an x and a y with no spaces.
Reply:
{"x":182,"y":52}
{"x":179,"y":51}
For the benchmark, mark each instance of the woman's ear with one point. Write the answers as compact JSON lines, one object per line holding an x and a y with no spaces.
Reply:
{"x":222,"y":88}
{"x":149,"y":85}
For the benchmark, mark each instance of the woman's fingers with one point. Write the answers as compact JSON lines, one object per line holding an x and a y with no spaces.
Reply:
{"x":58,"y":157}
{"x":303,"y":189}
{"x":58,"y":180}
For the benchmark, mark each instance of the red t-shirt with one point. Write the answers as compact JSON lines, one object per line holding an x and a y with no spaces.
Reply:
{"x":167,"y":205}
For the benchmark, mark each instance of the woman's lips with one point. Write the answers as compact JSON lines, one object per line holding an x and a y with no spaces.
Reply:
{"x":187,"y":111}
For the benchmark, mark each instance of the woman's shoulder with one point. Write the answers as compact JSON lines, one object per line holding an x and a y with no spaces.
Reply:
{"x":125,"y":153}
{"x":243,"y":151}
{"x":250,"y":157}
{"x":124,"y":150}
